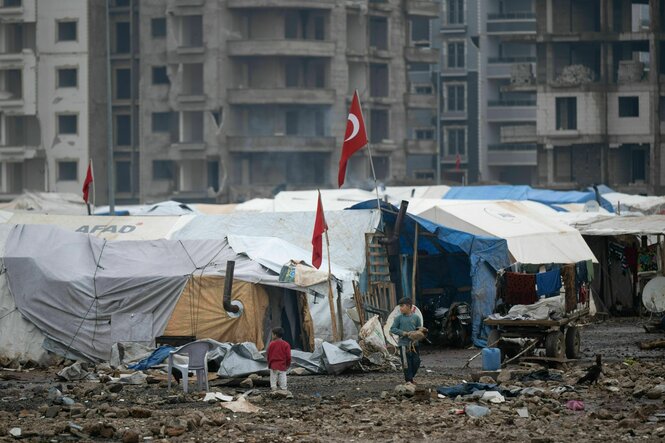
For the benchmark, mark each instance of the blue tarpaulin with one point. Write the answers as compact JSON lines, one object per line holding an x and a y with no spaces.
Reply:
{"x":507,"y":192}
{"x":157,"y":357}
{"x":470,"y":261}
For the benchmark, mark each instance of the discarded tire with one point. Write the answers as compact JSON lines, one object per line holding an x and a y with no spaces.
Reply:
{"x":573,"y":342}
{"x":554,"y":344}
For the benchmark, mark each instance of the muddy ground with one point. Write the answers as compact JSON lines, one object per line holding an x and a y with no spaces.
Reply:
{"x":626,"y":405}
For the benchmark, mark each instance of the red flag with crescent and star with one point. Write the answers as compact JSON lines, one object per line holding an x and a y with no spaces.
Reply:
{"x":320,"y":227}
{"x":355,"y":137}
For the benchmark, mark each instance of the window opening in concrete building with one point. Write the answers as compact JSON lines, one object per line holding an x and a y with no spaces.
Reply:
{"x":14,"y":178}
{"x":17,"y":36}
{"x":191,"y":31}
{"x":423,"y":89}
{"x":122,"y":39}
{"x":629,"y":106}
{"x":67,"y":31}
{"x":67,"y":170}
{"x":292,"y":74}
{"x":378,"y":33}
{"x":11,"y":82}
{"x":455,"y":12}
{"x":123,"y":176}
{"x":192,"y":79}
{"x":159,"y":75}
{"x":456,"y":141}
{"x":356,"y":33}
{"x":378,"y":80}
{"x":419,"y":67}
{"x":357,"y":77}
{"x":455,"y":98}
{"x":563,"y":164}
{"x":379,"y":129}
{"x":319,"y":27}
{"x":158,"y":27}
{"x":566,"y":113}
{"x":11,"y":3}
{"x":291,"y":122}
{"x":22,"y":130}
{"x":161,"y":122}
{"x":420,"y":32}
{"x":163,"y":170}
{"x":67,"y":124}
{"x":213,"y":175}
{"x":319,"y":123}
{"x":382,"y":167}
{"x":639,"y":165}
{"x":121,"y":3}
{"x":123,"y":84}
{"x":192,"y":127}
{"x":306,"y":168}
{"x":291,"y":20}
{"x":456,"y":55}
{"x":424,"y":133}
{"x":420,"y":167}
{"x":67,"y":77}
{"x":123,"y":130}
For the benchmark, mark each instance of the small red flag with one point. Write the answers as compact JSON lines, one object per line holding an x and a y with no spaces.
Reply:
{"x":320,"y":227}
{"x":87,"y":183}
{"x":458,"y":162}
{"x":355,"y":136}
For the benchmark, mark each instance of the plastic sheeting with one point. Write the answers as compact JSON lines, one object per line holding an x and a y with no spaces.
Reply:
{"x":346,"y":230}
{"x":507,"y":192}
{"x":471,"y":260}
{"x":59,"y":288}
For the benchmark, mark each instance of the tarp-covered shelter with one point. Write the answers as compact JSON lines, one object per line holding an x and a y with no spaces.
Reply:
{"x":452,"y":265}
{"x":85,"y":293}
{"x":548,"y":197}
{"x":630,"y":252}
{"x":47,"y":203}
{"x":533,"y":235}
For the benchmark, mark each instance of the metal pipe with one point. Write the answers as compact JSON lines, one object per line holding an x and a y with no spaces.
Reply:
{"x":228,"y":286}
{"x":438,"y":125}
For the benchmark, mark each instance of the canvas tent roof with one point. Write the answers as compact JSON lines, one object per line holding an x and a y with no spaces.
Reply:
{"x":47,"y":203}
{"x":532,"y":235}
{"x":611,"y":226}
{"x":636,"y":203}
{"x":131,"y":277}
{"x":108,"y":227}
{"x":168,"y":207}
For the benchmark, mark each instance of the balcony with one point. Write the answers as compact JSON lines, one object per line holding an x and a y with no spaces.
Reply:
{"x":421,"y":55}
{"x":188,"y":3}
{"x":284,"y":143}
{"x":281,"y":96}
{"x":511,"y":110}
{"x":501,"y":67}
{"x":18,"y":98}
{"x":518,"y":134}
{"x":511,"y":23}
{"x":421,"y":146}
{"x":303,"y":4}
{"x":512,"y":155}
{"x":303,"y":48}
{"x":422,"y":7}
{"x":427,"y":101}
{"x":25,"y":12}
{"x":189,"y":146}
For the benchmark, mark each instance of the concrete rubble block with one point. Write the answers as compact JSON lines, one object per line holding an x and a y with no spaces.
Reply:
{"x":574,"y":75}
{"x":630,"y":71}
{"x":521,"y":74}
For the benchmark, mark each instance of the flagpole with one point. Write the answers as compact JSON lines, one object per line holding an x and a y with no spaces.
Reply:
{"x":331,"y":296}
{"x":94,"y":199}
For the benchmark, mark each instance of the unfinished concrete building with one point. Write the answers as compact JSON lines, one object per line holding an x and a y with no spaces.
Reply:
{"x":47,"y":96}
{"x":241,"y":98}
{"x":599,"y":94}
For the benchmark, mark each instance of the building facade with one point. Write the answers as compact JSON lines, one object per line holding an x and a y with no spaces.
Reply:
{"x":242,"y":98}
{"x":47,"y":97}
{"x":600,"y":94}
{"x":488,"y":88}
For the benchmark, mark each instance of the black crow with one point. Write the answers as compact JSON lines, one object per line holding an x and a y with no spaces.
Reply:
{"x":592,"y":372}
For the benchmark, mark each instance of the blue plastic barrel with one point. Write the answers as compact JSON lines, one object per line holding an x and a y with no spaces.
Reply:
{"x":491,"y":359}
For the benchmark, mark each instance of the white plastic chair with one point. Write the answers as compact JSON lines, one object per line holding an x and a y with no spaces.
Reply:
{"x":197,"y":352}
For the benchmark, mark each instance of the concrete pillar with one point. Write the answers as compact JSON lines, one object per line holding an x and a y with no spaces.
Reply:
{"x":550,"y":17}
{"x":604,"y":163}
{"x":550,"y":163}
{"x":549,"y":63}
{"x":655,"y":158}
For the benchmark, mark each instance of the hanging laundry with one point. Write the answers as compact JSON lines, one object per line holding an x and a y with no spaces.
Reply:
{"x":648,"y":259}
{"x":548,"y":283}
{"x":617,"y":252}
{"x":589,"y":269}
{"x":581,"y":274}
{"x":520,"y":289}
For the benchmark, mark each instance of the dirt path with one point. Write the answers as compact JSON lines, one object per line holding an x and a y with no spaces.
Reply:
{"x":625,"y":406}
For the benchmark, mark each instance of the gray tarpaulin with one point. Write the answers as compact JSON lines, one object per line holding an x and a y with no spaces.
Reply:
{"x":58,"y":287}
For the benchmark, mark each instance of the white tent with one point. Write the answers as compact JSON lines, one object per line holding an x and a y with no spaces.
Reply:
{"x":636,"y":203}
{"x":534,"y":235}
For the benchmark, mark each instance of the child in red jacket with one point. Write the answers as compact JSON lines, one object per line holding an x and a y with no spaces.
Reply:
{"x":279,"y":359}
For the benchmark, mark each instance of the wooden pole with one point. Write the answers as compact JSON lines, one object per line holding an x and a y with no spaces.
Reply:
{"x":415,"y":266}
{"x":331,"y":303}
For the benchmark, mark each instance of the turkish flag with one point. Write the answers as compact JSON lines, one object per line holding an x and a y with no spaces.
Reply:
{"x":458,"y":163}
{"x":320,"y":227}
{"x":355,"y":136}
{"x":87,"y":183}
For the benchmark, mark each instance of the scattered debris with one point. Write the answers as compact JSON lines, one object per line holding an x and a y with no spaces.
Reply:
{"x":575,"y":405}
{"x":217,"y":396}
{"x":241,"y":405}
{"x":476,"y":410}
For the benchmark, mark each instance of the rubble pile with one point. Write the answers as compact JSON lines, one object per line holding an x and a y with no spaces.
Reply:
{"x":574,"y":75}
